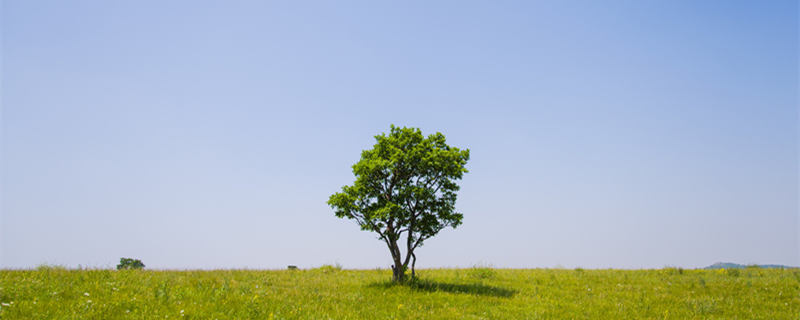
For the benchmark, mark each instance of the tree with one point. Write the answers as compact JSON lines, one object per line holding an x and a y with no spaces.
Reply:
{"x":405,"y":184}
{"x":130,"y":263}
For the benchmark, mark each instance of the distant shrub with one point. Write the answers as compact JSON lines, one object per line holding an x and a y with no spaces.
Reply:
{"x":672,"y":271}
{"x":130,"y":263}
{"x":578,"y":269}
{"x":330,"y":268}
{"x":482,"y":272}
{"x":734,"y":272}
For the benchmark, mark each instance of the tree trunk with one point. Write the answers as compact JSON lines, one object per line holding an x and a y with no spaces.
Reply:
{"x":398,"y":270}
{"x":413,"y":262}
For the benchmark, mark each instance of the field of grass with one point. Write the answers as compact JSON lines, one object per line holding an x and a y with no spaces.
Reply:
{"x":477,"y":293}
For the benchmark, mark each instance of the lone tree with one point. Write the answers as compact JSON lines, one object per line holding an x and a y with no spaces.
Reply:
{"x":405,"y":184}
{"x":130,"y":263}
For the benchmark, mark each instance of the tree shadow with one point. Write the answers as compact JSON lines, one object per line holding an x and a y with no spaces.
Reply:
{"x":436,"y":286}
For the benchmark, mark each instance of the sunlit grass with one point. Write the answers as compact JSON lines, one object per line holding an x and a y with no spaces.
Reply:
{"x":330,"y":292}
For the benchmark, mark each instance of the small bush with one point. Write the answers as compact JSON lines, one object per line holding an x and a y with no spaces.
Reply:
{"x":330,"y":268}
{"x":482,"y":272}
{"x":672,"y":271}
{"x":734,"y":272}
{"x":130,"y":263}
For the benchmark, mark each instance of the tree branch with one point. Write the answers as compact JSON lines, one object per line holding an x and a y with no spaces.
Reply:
{"x":418,"y":242}
{"x":430,"y":182}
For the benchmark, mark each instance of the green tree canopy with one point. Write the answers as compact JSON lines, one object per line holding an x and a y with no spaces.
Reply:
{"x":130,"y":263}
{"x":405,"y":186}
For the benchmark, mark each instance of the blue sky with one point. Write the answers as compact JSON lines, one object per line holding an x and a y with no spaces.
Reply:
{"x":625,"y":134}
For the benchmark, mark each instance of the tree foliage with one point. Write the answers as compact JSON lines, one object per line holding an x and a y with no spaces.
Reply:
{"x":130,"y":263}
{"x":405,"y":187}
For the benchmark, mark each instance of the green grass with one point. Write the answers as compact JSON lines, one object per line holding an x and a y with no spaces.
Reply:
{"x":329,"y":292}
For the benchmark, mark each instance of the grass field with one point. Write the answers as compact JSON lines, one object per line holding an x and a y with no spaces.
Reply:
{"x":477,"y":293}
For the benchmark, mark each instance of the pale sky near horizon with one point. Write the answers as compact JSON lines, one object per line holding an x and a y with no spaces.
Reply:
{"x":194,"y":134}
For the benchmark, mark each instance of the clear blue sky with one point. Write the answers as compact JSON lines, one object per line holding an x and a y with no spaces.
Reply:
{"x":622,"y":134}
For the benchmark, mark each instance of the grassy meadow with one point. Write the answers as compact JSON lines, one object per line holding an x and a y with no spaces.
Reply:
{"x":329,"y":292}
